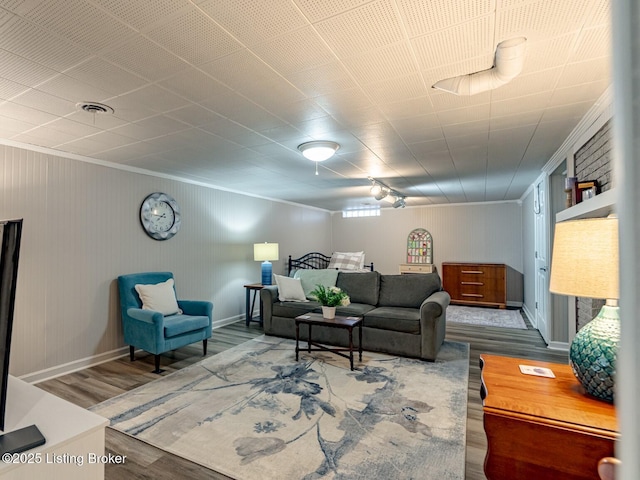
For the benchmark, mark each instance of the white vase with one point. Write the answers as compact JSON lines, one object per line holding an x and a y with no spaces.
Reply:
{"x":329,"y":312}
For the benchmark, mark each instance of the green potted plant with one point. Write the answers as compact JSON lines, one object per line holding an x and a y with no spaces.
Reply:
{"x":330,"y":298}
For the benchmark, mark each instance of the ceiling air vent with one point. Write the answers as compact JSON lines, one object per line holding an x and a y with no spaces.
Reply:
{"x":95,"y":108}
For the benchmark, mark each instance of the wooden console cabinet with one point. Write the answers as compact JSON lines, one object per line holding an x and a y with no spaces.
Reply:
{"x":542,"y":428}
{"x":482,"y":284}
{"x":411,"y":268}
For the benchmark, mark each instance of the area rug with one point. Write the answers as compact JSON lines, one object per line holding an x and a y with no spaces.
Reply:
{"x":253,"y":412}
{"x":489,"y":317}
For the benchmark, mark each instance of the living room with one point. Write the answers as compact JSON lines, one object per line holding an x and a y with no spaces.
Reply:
{"x":82,"y":230}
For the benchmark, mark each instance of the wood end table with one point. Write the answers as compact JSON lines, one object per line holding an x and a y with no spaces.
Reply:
{"x":542,"y":428}
{"x":339,"y":321}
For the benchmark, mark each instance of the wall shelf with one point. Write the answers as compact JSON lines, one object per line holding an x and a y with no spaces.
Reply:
{"x":599,"y":206}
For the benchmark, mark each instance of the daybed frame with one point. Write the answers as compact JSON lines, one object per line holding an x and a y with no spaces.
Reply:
{"x":312,"y":261}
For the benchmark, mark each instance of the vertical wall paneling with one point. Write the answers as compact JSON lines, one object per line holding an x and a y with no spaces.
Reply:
{"x":82,"y":229}
{"x":486,"y":232}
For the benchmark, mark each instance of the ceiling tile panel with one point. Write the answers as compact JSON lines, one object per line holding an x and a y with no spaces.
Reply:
{"x":194,"y":37}
{"x":23,"y":71}
{"x":294,"y":51}
{"x":253,"y":22}
{"x":425,"y":17}
{"x":406,"y":108}
{"x":45,"y":102}
{"x":365,"y":28}
{"x":9,"y":89}
{"x":323,"y":80}
{"x":548,"y":53}
{"x":396,"y":89}
{"x":585,"y":72}
{"x":194,"y":85}
{"x":106,"y":76}
{"x":142,"y":15}
{"x":469,"y":114}
{"x":388,"y":62}
{"x":524,"y":85}
{"x":73,"y":90}
{"x":456,"y":44}
{"x":539,"y":19}
{"x":443,"y":101}
{"x":81,"y":23}
{"x":39,"y":45}
{"x":315,"y":10}
{"x":593,"y":43}
{"x":529,"y":103}
{"x":144,"y":57}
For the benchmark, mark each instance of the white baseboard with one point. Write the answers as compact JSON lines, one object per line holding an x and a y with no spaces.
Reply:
{"x":514,"y":304}
{"x":563,"y":346}
{"x":529,"y":315}
{"x":81,"y":364}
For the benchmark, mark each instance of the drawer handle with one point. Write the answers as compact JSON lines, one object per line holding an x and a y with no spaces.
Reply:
{"x":472,"y":295}
{"x":471,"y":283}
{"x":472,"y":271}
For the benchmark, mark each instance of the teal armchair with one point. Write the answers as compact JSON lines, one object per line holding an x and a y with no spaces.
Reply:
{"x":154,"y":331}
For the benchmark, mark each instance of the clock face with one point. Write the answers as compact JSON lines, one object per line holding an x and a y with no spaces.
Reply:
{"x":160,"y":216}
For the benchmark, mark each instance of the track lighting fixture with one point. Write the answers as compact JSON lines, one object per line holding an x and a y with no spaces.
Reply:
{"x":381,"y":192}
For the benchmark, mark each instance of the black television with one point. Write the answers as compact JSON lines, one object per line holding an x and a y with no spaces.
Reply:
{"x":10,"y":233}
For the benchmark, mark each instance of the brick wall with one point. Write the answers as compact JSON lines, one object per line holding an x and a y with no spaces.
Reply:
{"x":593,"y":162}
{"x":593,"y":159}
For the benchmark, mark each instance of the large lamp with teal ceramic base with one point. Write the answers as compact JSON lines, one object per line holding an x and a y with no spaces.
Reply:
{"x":585,"y":264}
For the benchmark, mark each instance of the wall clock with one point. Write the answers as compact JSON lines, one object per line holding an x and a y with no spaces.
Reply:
{"x":160,"y":216}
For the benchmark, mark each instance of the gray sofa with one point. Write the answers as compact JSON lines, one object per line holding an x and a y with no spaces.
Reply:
{"x":403,"y":314}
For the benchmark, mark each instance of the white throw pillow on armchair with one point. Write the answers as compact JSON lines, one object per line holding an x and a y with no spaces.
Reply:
{"x":160,"y":297}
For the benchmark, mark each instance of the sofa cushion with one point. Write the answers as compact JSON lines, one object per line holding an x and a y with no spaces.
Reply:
{"x":311,"y":278}
{"x":398,"y":319}
{"x":354,"y":309}
{"x":407,"y":290}
{"x":361,"y":287}
{"x":175,"y":325}
{"x":292,"y":309}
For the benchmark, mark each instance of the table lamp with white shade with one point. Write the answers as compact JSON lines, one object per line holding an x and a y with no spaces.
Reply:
{"x":585,"y":264}
{"x":265,"y":252}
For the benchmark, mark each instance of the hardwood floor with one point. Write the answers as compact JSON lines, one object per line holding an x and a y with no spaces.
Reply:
{"x":94,"y":385}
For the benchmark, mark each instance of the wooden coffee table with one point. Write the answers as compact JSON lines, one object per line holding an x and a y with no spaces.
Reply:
{"x":346,"y":323}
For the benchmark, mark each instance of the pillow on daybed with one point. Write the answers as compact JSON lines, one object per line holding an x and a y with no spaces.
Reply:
{"x":347,"y":261}
{"x":311,"y":278}
{"x":289,"y":289}
{"x":160,"y":297}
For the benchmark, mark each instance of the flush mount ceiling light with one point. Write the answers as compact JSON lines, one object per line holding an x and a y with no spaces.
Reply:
{"x":318,"y":150}
{"x":508,"y":64}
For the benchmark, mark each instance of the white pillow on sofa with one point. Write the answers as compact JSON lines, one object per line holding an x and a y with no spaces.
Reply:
{"x":160,"y":297}
{"x":289,"y":289}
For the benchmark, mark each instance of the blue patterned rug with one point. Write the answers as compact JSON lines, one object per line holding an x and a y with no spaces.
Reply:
{"x":253,"y":412}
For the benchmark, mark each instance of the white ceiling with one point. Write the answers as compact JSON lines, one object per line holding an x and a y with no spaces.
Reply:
{"x":223,"y":91}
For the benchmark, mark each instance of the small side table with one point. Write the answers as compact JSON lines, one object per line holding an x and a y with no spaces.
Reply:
{"x":250,"y":304}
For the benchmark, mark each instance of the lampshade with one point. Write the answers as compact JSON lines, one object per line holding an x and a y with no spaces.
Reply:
{"x":585,"y":258}
{"x":265,"y":251}
{"x":585,"y":264}
{"x":318,"y":151}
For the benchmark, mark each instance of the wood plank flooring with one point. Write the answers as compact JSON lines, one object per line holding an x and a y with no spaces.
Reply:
{"x":94,"y":385}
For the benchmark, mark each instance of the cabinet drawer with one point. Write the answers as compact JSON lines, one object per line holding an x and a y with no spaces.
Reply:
{"x":416,"y":268}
